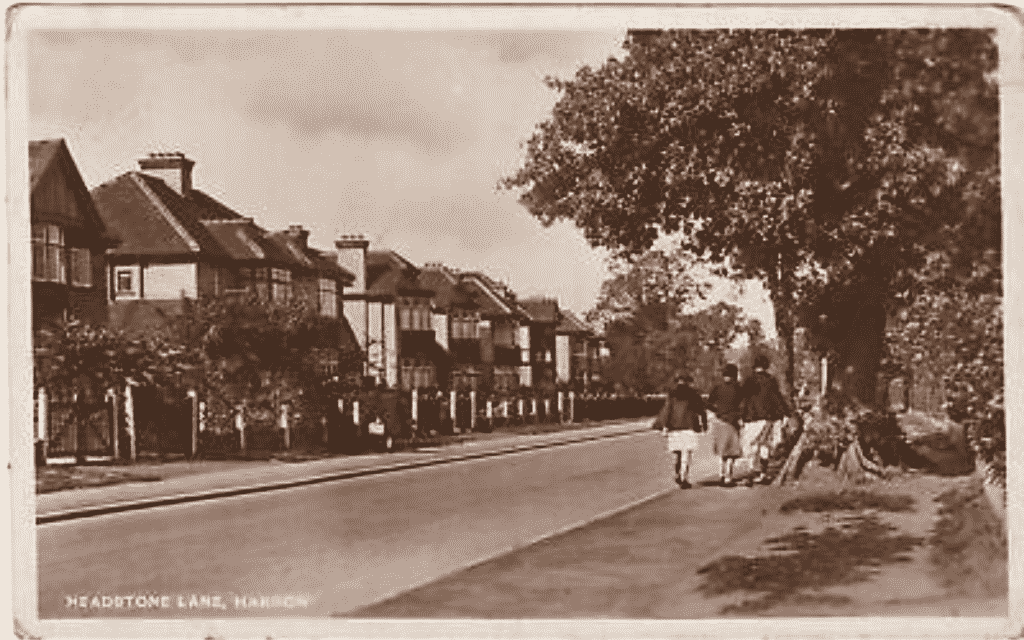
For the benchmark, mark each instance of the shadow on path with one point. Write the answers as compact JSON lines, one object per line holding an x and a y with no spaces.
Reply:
{"x":801,"y":565}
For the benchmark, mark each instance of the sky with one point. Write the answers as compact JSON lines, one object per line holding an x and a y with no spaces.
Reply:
{"x":400,"y":136}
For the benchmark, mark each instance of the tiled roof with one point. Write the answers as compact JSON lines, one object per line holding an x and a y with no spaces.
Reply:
{"x":572,"y":324}
{"x":388,"y":273}
{"x":151,"y":219}
{"x":448,"y":290}
{"x":245,"y":241}
{"x":324,"y":263}
{"x":40,"y":155}
{"x":540,"y":309}
{"x":493,"y":298}
{"x":211,"y":209}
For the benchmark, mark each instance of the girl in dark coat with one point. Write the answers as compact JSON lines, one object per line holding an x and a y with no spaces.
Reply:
{"x":681,"y":419}
{"x":726,"y":401}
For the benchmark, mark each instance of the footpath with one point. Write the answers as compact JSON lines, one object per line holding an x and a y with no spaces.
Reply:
{"x":913,"y":545}
{"x":204,"y":480}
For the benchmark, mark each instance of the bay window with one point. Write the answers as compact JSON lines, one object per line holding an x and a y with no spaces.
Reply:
{"x":48,"y":253}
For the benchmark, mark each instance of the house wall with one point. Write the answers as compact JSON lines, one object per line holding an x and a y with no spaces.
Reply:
{"x":210,"y":283}
{"x":375,"y":338}
{"x":170,"y":281}
{"x":54,"y":201}
{"x":439,"y":323}
{"x":356,"y":313}
{"x":563,"y":358}
{"x":390,"y":325}
{"x":525,"y":370}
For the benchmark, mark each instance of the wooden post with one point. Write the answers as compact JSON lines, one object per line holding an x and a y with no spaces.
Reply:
{"x":452,"y":406}
{"x":572,"y":406}
{"x":194,"y":398}
{"x":355,"y":413}
{"x":522,"y":414}
{"x":490,"y":414}
{"x":561,"y":406}
{"x":504,"y":408}
{"x":547,"y":409}
{"x":129,"y":420}
{"x":43,"y":427}
{"x":824,"y":376}
{"x":111,"y":397}
{"x":240,"y":425}
{"x":285,"y":427}
{"x":415,"y":407}
{"x":533,"y":408}
{"x":472,"y":410}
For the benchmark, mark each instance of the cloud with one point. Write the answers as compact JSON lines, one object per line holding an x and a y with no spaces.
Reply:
{"x":518,"y":47}
{"x":396,"y":121}
{"x":465,"y":223}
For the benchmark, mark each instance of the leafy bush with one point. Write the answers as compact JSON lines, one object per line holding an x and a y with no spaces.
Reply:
{"x":954,"y":326}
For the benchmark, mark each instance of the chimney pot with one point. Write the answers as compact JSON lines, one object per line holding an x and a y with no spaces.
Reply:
{"x":173,"y":168}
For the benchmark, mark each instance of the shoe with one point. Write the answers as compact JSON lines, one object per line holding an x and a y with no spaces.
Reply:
{"x":748,"y":483}
{"x":728,"y":482}
{"x":683,"y":484}
{"x":761,"y":479}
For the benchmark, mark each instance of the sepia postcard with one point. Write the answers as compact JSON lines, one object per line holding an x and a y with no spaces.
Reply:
{"x":514,"y":320}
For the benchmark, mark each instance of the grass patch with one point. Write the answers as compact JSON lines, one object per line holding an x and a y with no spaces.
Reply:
{"x":801,"y":565}
{"x":968,"y":544}
{"x":53,"y":479}
{"x":855,"y":500}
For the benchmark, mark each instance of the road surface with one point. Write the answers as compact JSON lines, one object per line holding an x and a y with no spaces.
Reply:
{"x":334,"y":547}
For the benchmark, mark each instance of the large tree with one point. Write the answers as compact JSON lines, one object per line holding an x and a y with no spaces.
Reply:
{"x":825,"y":163}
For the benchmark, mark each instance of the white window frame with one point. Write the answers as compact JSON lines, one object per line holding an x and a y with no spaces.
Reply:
{"x":134,"y":274}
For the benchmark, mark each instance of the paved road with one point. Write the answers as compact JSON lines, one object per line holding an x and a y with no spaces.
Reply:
{"x":338,"y":545}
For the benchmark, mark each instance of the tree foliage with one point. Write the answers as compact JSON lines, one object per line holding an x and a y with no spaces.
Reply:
{"x":825,"y":163}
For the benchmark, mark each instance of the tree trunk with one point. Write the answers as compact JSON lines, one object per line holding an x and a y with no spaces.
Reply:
{"x":861,"y":353}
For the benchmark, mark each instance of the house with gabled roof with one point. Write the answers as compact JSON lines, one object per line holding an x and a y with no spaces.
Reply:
{"x":574,"y":341}
{"x":505,"y":339}
{"x":69,"y":240}
{"x":389,"y":310}
{"x":542,"y":317}
{"x":180,"y":243}
{"x":456,"y":323}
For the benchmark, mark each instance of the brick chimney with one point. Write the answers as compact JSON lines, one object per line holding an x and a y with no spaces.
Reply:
{"x":173,"y":168}
{"x":352,"y":257}
{"x":300,"y":235}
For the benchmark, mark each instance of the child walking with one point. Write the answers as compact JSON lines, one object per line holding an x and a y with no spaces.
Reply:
{"x":681,"y":419}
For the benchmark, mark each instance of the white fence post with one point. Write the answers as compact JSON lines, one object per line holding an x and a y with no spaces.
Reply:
{"x":472,"y":410}
{"x":355,"y":413}
{"x":285,"y":426}
{"x":452,"y":408}
{"x":240,"y":425}
{"x":415,"y":408}
{"x":547,"y":409}
{"x":129,"y":420}
{"x":561,"y":406}
{"x":42,"y":428}
{"x":572,"y":406}
{"x":194,"y":399}
{"x":111,"y":397}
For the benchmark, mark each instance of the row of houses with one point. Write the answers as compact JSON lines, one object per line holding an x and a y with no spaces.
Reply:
{"x":130,"y":251}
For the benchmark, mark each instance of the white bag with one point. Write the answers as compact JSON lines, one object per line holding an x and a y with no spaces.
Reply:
{"x":376,"y":428}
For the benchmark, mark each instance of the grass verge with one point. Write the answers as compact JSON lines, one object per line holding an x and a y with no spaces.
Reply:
{"x":52,"y":479}
{"x":852,"y":500}
{"x":968,"y":543}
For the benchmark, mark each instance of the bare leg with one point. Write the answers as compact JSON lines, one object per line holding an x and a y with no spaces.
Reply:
{"x":686,"y":470}
{"x":679,"y":464}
